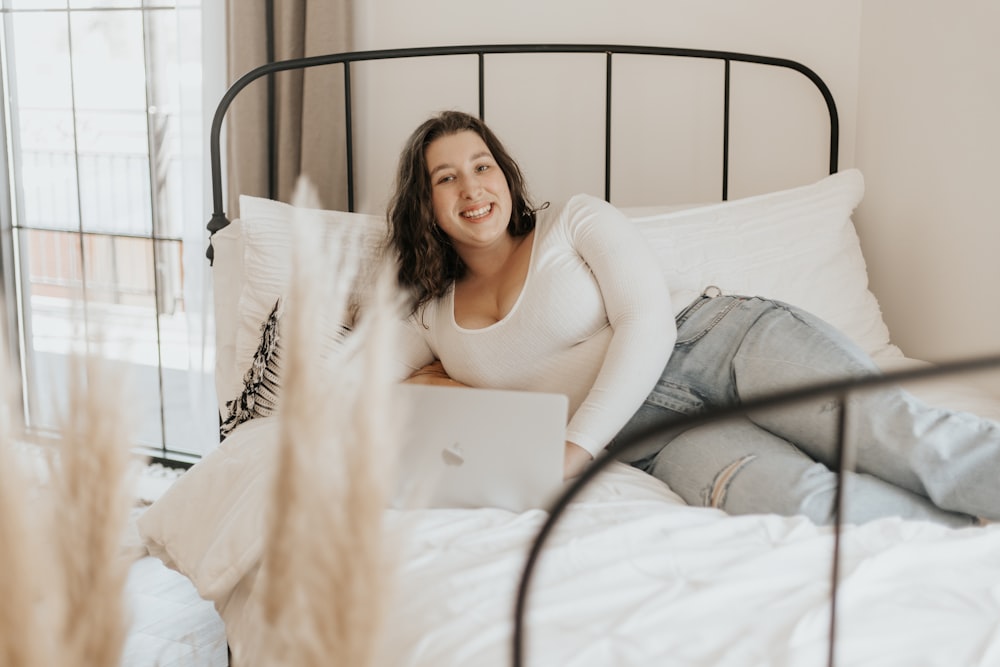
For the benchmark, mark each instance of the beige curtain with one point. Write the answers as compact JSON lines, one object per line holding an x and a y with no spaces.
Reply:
{"x":310,"y":103}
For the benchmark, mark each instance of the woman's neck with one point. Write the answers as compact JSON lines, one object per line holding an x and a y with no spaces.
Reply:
{"x":486,"y":263}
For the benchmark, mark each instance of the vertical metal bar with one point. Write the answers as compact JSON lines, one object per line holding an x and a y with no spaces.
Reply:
{"x":14,"y":331}
{"x":838,"y":518}
{"x":607,"y":128}
{"x":79,"y":200}
{"x":834,"y":140}
{"x":725,"y":135}
{"x":272,"y":113}
{"x":482,"y":86}
{"x":349,"y":139}
{"x":154,"y":221}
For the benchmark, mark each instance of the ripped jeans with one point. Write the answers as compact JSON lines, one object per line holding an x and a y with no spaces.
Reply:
{"x":910,"y":460}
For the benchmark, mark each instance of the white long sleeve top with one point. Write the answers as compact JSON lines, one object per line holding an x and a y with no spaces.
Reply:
{"x":593,"y":321}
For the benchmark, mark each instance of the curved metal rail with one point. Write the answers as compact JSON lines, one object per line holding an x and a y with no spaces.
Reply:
{"x":219,"y":220}
{"x":839,"y":389}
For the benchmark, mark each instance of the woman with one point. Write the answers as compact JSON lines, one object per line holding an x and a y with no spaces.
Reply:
{"x":570,"y":300}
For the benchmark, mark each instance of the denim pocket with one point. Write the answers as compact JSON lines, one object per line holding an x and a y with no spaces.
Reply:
{"x":690,"y":309}
{"x":693,"y":328}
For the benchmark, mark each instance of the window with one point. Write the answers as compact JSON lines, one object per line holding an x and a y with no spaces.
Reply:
{"x":104,"y":230}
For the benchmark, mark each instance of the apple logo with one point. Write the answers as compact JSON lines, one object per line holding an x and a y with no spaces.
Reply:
{"x":453,"y":455}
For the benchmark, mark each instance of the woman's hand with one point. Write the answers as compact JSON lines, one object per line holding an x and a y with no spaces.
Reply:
{"x":577,"y":458}
{"x":433,"y":373}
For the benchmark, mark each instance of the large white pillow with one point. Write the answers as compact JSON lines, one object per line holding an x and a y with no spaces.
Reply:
{"x":797,"y":246}
{"x":227,"y":286}
{"x":267,"y":241}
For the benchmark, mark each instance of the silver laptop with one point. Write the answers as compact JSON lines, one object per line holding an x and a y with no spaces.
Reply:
{"x":465,"y":447}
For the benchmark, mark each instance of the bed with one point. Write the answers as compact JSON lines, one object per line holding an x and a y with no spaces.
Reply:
{"x":629,"y":574}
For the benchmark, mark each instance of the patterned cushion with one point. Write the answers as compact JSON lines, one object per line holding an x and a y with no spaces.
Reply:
{"x":259,"y":397}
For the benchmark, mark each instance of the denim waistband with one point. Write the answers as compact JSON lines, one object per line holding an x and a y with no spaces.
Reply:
{"x":710,"y":292}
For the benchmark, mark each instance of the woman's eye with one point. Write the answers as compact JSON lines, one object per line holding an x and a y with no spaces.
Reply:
{"x":446,"y":179}
{"x":482,"y":167}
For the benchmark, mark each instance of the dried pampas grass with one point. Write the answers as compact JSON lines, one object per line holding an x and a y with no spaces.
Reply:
{"x":325,"y":575}
{"x":62,"y":568}
{"x":93,"y":486}
{"x":24,"y":634}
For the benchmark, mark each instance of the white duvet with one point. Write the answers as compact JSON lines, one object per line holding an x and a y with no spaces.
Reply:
{"x":631,"y":576}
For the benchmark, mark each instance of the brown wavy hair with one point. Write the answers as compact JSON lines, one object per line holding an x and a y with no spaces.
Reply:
{"x":428,"y":263}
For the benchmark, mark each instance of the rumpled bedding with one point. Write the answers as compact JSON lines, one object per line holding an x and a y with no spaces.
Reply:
{"x":631,"y":576}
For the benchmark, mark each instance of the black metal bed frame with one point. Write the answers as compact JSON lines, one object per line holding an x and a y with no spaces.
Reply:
{"x":219,"y":219}
{"x":839,"y":389}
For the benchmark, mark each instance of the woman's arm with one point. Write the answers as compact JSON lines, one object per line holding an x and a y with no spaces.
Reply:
{"x":637,"y":304}
{"x":576,"y":459}
{"x":433,"y":374}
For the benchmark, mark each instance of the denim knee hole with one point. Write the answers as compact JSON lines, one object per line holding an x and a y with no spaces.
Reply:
{"x":715,"y":494}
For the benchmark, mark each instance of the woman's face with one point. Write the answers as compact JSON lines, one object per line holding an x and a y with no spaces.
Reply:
{"x":469,"y":192}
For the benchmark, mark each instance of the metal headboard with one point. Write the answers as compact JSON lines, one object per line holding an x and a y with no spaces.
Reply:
{"x":219,"y":219}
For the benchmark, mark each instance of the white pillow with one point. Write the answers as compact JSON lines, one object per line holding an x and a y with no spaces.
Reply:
{"x":227,"y":285}
{"x":210,"y":524}
{"x":797,"y":246}
{"x":267,"y":256}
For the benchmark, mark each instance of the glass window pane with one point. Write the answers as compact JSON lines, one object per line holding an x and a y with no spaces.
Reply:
{"x":119,"y":272}
{"x":43,"y":118}
{"x":118,"y":318}
{"x":106,"y":115}
{"x":165,"y":121}
{"x":48,"y":173}
{"x":110,"y":85}
{"x":52,"y":261}
{"x":187,"y":386}
{"x":108,"y":60}
{"x":41,"y":60}
{"x":114,"y":192}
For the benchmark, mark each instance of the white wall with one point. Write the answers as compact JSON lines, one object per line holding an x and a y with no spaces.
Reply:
{"x":928,"y":142}
{"x":824,"y":35}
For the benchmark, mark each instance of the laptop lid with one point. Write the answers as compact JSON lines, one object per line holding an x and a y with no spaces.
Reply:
{"x":464,"y":447}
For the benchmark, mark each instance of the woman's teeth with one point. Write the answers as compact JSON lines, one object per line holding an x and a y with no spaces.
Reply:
{"x":478,"y":213}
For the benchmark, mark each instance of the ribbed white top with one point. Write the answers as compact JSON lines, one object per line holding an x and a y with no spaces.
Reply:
{"x":593,"y":322}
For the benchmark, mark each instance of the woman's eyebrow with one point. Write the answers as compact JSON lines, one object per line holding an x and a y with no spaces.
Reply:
{"x":440,"y":167}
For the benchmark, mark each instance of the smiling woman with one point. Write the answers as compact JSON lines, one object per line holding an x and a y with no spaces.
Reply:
{"x":490,"y":322}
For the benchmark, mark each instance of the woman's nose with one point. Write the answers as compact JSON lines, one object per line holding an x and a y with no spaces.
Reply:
{"x":470,"y":187}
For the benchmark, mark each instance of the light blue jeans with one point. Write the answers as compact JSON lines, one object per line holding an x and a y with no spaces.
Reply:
{"x":910,"y":459}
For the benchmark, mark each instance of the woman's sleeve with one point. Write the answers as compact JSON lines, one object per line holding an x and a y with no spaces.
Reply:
{"x":412,"y":349}
{"x":638,"y":306}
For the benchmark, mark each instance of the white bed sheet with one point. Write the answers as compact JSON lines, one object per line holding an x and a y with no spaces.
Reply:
{"x":631,"y":576}
{"x":637,"y":579}
{"x":634,"y":577}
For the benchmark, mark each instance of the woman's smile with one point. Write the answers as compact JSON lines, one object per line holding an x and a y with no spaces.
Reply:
{"x":477,"y":213}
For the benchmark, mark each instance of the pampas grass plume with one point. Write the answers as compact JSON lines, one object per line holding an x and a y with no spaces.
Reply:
{"x":25,"y":632}
{"x":62,"y":565}
{"x":325,"y":574}
{"x":92,"y":485}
